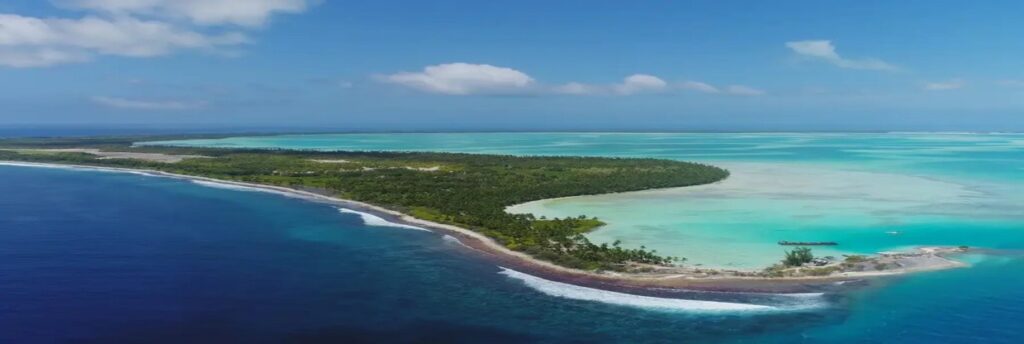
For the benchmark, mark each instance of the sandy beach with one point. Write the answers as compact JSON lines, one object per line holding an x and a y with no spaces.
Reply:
{"x":659,"y":282}
{"x":155,"y":157}
{"x":760,"y":204}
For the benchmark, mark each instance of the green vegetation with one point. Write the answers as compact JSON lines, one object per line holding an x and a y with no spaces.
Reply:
{"x":793,"y":264}
{"x":776,"y":270}
{"x":822,"y":271}
{"x":798,"y":256}
{"x":470,"y":191}
{"x":856,"y":258}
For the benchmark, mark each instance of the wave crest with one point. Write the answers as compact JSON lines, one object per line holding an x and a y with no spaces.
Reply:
{"x":450,"y":239}
{"x":377,"y":221}
{"x":574,"y":292}
{"x":75,"y":168}
{"x":236,"y":187}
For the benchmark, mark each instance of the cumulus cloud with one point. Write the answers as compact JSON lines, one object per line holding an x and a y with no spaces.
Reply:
{"x":576,"y":88}
{"x":463,"y":79}
{"x":823,"y":50}
{"x":135,"y":104}
{"x":1011,"y":83}
{"x":251,"y":13}
{"x":698,"y":86}
{"x":741,"y":90}
{"x":132,"y":28}
{"x":468,"y":79}
{"x":122,"y":36}
{"x":736,"y":90}
{"x":638,"y":83}
{"x":945,"y":85}
{"x":633,"y":84}
{"x":27,"y":58}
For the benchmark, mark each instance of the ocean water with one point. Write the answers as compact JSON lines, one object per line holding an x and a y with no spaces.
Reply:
{"x":91,"y":256}
{"x":868,"y":192}
{"x":99,"y":257}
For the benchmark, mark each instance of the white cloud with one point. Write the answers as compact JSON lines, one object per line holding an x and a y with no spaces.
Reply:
{"x":466,"y":79}
{"x":463,"y":79}
{"x":134,"y":104}
{"x":738,"y":90}
{"x":1011,"y":83}
{"x":577,"y":88}
{"x":947,"y":85}
{"x":633,"y":84}
{"x":132,"y":28}
{"x":741,"y":90}
{"x":824,"y":50}
{"x":638,"y":83}
{"x":27,"y":58}
{"x":122,"y":36}
{"x":699,"y":87}
{"x":251,"y":13}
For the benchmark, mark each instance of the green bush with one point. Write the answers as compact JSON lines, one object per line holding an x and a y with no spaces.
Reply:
{"x":798,"y":256}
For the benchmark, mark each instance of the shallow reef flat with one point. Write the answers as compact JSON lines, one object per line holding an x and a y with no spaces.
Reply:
{"x":737,"y":223}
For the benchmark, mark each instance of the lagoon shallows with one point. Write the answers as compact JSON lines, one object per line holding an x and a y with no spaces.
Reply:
{"x":108,"y":257}
{"x":869,"y":192}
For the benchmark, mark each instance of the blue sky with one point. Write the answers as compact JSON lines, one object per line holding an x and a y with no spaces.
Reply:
{"x":515,"y":65}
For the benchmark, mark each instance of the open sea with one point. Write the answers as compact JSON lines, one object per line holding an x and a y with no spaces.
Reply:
{"x":88,"y":256}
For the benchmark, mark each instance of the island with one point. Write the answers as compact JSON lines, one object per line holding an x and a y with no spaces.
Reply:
{"x":465,"y":196}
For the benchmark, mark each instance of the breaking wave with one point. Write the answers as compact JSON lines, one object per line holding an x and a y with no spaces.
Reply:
{"x":235,"y":187}
{"x":454,"y":240}
{"x":569,"y":291}
{"x":795,"y":301}
{"x":73,"y":168}
{"x":377,"y":221}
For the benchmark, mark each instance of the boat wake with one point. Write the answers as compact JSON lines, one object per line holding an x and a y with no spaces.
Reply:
{"x":785,"y":302}
{"x":377,"y":221}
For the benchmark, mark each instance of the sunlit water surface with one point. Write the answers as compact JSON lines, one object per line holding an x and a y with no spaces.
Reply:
{"x":868,"y":192}
{"x":111,"y":257}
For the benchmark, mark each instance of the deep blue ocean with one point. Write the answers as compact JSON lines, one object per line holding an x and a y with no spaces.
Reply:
{"x":113,"y":257}
{"x":100,"y":257}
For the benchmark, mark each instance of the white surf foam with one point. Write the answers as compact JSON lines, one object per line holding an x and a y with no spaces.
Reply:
{"x":75,"y":168}
{"x":377,"y":221}
{"x":569,"y":291}
{"x":236,"y":187}
{"x":454,"y":240}
{"x":141,"y":173}
{"x":29,"y":164}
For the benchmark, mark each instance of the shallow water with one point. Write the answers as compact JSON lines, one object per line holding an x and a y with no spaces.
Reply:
{"x":868,"y":192}
{"x":113,"y":257}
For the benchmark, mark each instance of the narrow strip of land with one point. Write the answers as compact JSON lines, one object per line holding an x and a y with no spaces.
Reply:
{"x":918,"y":260}
{"x":465,"y":196}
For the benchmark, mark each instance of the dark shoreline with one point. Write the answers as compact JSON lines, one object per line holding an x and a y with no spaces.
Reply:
{"x":665,"y":286}
{"x":611,"y":283}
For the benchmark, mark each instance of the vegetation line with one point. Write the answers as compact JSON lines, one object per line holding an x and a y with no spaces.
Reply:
{"x":465,"y":190}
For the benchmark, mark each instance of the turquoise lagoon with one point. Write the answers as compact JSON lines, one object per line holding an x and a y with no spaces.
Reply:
{"x":94,"y":257}
{"x":869,"y":192}
{"x":115,"y":257}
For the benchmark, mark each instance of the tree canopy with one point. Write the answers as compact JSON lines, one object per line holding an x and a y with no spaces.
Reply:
{"x":467,"y":190}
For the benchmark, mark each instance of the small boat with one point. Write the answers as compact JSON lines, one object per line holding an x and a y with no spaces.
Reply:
{"x":808,"y":243}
